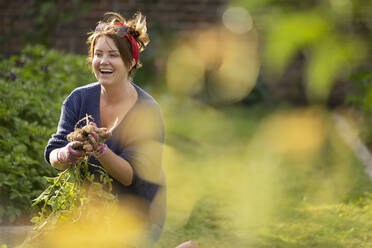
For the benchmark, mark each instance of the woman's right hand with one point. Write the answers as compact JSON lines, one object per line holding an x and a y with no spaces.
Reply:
{"x":70,"y":153}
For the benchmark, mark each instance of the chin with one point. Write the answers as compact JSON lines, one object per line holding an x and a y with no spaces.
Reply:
{"x":105,"y":81}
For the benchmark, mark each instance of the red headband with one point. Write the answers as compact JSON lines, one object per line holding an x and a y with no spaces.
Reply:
{"x":132,"y":40}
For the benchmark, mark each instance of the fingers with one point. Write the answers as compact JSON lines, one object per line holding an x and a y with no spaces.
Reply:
{"x":88,"y":140}
{"x":96,"y":139}
{"x":103,"y":133}
{"x":93,"y":139}
{"x":74,"y":151}
{"x":101,"y":149}
{"x":76,"y":145}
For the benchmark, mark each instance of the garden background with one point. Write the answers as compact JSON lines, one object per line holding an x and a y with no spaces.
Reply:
{"x":267,"y":106}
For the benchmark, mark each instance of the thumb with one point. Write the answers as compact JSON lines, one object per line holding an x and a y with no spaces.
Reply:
{"x":76,"y":145}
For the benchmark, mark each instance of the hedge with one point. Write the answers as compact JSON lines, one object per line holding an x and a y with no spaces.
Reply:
{"x":33,"y":86}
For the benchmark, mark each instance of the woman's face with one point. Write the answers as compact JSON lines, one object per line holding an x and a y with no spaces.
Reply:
{"x":107,"y":63}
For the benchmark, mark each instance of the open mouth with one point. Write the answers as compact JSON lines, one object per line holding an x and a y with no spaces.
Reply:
{"x":106,"y":71}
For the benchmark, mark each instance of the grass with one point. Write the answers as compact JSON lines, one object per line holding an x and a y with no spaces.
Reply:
{"x":253,"y":177}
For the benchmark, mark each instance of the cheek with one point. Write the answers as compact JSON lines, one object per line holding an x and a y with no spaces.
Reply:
{"x":95,"y":64}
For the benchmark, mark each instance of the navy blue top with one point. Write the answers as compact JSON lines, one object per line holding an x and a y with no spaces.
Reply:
{"x":138,"y":138}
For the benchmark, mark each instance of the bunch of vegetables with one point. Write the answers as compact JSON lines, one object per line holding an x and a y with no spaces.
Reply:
{"x":69,"y":194}
{"x":84,"y":136}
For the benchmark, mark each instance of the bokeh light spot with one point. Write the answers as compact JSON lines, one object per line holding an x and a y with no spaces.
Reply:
{"x":237,"y":20}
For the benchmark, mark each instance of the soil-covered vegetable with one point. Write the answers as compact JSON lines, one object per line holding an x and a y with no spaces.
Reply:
{"x":84,"y":134}
{"x":70,"y":193}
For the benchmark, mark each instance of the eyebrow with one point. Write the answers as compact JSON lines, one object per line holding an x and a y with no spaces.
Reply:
{"x":108,"y":51}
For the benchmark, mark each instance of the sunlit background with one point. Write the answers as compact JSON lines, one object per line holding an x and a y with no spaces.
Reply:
{"x":267,"y":110}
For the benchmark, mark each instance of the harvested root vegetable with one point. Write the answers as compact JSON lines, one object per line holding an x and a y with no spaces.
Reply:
{"x":69,"y":194}
{"x":88,"y":147}
{"x":85,"y":134}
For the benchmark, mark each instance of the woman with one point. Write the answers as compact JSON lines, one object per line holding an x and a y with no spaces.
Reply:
{"x":132,"y":155}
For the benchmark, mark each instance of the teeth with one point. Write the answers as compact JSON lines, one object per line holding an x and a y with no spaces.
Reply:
{"x":105,"y":70}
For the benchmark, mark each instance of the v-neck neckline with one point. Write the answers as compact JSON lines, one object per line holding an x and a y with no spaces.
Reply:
{"x":99,"y":124}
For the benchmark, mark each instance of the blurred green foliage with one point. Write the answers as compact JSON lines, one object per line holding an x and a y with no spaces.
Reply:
{"x":33,"y":86}
{"x":360,"y":99}
{"x":361,"y":94}
{"x":248,"y":177}
{"x":333,"y":35}
{"x":325,"y":44}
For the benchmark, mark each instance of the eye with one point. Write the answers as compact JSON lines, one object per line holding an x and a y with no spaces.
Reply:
{"x":98,"y":54}
{"x":114,"y":55}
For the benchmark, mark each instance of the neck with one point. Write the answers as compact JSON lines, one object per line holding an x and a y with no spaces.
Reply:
{"x":117,"y":92}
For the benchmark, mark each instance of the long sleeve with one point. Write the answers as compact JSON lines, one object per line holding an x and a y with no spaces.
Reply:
{"x":143,"y":137}
{"x":66,"y":124}
{"x":143,"y":134}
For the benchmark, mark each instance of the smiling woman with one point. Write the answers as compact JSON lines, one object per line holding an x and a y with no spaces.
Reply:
{"x":132,"y":155}
{"x":108,"y":66}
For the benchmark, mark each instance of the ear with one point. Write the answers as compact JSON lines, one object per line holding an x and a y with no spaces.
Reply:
{"x":133,"y":63}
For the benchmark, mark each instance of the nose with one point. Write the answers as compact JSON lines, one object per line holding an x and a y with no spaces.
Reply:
{"x":104,"y":59}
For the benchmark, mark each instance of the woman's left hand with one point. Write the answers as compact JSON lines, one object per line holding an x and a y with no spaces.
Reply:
{"x":98,"y":150}
{"x":97,"y":142}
